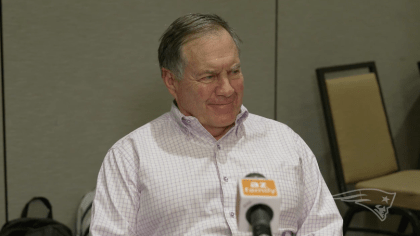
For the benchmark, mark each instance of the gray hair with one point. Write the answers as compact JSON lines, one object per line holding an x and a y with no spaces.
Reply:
{"x":180,"y":32}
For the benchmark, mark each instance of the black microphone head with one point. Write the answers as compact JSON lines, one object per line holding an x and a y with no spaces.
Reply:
{"x":255,"y":175}
{"x":261,"y":230}
{"x":259,"y":217}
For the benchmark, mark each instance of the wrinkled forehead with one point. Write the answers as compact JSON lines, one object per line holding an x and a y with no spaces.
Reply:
{"x":203,"y":44}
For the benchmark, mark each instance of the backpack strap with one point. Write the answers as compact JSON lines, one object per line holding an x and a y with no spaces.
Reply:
{"x":87,"y":211}
{"x":84,"y":213}
{"x":43,"y":200}
{"x":87,"y":231}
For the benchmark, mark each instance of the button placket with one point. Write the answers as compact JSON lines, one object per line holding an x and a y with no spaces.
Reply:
{"x":226,"y":186}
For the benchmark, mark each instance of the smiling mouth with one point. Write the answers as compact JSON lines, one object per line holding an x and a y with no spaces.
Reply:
{"x":220,"y":104}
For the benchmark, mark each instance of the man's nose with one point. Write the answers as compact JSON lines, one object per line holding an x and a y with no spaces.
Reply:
{"x":224,"y":87}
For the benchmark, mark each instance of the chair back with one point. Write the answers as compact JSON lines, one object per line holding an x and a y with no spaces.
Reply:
{"x":358,"y":127}
{"x":361,"y":127}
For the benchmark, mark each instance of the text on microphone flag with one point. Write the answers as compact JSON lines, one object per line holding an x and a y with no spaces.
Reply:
{"x":259,"y":187}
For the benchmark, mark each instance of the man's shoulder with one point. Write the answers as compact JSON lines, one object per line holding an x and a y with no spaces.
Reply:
{"x":266,"y":124}
{"x":146,"y":132}
{"x":267,"y":128}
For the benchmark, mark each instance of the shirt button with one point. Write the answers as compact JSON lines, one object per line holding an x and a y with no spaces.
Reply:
{"x":226,"y":179}
{"x":185,"y":121}
{"x":218,"y":146}
{"x":232,"y":214}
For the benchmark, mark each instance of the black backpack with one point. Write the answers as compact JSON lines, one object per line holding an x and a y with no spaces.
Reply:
{"x":26,"y":226}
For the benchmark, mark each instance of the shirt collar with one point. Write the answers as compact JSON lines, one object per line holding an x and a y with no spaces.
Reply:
{"x":183,"y":120}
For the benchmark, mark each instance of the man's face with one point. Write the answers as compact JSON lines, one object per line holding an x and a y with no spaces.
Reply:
{"x":212,"y":87}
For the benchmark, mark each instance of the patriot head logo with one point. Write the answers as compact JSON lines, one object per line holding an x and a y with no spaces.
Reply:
{"x":376,"y":200}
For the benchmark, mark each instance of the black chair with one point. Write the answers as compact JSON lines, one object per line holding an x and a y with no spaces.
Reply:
{"x":363,"y":151}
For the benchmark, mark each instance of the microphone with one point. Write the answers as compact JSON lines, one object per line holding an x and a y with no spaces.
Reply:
{"x":258,"y":205}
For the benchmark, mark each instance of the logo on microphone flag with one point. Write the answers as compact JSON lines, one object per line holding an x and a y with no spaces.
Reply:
{"x":376,"y":200}
{"x":259,"y":187}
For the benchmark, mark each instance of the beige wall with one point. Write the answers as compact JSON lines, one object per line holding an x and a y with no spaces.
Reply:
{"x":81,"y":74}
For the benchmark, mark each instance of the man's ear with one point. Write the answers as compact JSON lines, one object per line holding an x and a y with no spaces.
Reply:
{"x":170,"y":81}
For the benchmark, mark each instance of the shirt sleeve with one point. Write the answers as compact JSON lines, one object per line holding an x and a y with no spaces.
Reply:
{"x":319,"y":215}
{"x":116,"y":202}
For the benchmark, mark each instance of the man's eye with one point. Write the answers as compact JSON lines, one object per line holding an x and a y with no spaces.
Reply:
{"x":236,"y":71}
{"x":207,"y":79}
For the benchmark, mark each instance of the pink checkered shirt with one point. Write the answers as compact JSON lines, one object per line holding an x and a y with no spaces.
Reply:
{"x":171,"y":177}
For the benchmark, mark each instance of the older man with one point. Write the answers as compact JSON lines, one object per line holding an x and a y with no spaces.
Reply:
{"x":178,"y":174}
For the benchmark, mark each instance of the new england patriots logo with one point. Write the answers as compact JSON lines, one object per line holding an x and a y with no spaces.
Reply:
{"x":376,"y":200}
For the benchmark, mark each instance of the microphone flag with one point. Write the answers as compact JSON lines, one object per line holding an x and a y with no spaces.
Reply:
{"x":376,"y":200}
